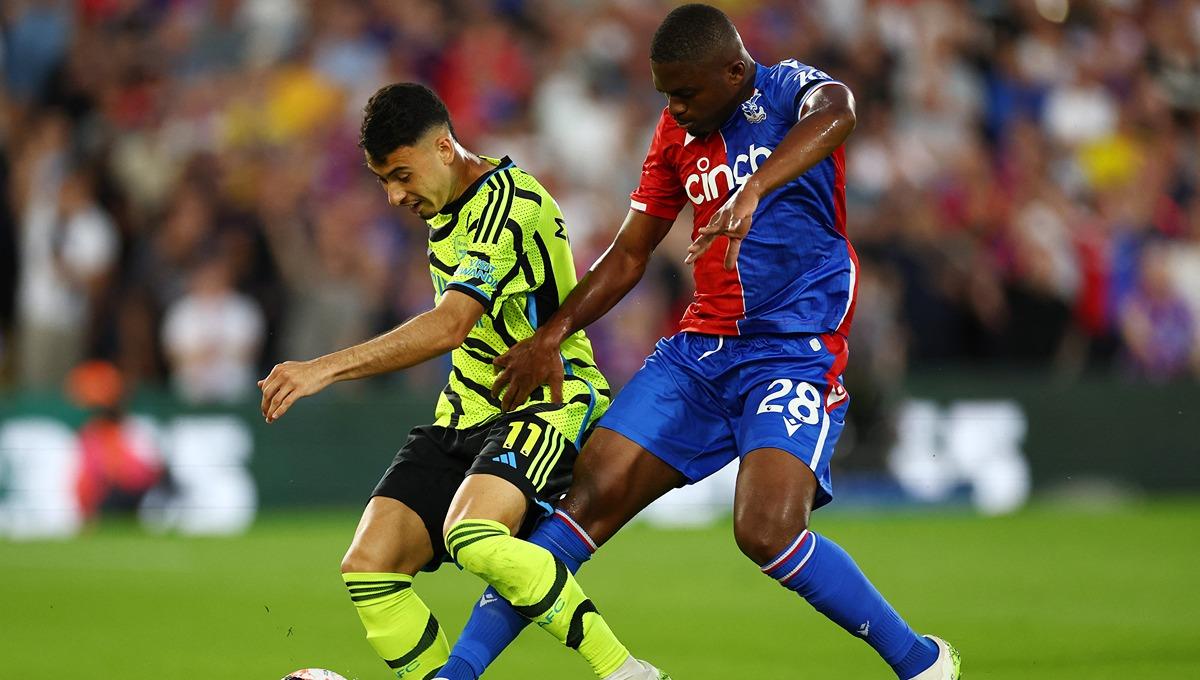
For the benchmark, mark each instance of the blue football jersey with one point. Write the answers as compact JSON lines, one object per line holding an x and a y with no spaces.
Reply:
{"x":796,"y":269}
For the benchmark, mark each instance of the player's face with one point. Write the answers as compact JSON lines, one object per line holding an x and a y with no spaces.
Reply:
{"x":418,"y":177}
{"x":700,"y":96}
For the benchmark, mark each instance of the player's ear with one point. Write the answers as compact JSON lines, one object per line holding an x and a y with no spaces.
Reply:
{"x":736,"y":71}
{"x":444,"y":147}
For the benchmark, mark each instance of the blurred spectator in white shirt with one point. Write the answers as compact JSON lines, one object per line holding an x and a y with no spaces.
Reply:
{"x":212,"y":336}
{"x":68,"y":247}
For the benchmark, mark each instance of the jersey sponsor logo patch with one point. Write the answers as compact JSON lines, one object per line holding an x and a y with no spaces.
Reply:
{"x":473,"y":267}
{"x":709,"y":182}
{"x":751,"y":109}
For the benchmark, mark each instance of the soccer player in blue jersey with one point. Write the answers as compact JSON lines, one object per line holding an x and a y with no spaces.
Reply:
{"x":755,"y":372}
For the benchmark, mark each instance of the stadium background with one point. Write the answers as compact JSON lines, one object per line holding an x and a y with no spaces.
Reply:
{"x":184,"y":206}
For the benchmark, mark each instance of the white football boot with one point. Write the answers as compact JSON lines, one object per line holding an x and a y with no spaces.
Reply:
{"x":653,"y":673}
{"x":635,"y":669}
{"x":947,"y":666}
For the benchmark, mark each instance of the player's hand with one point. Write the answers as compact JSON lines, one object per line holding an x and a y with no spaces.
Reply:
{"x":732,"y":221}
{"x":288,"y":382}
{"x":526,"y":366}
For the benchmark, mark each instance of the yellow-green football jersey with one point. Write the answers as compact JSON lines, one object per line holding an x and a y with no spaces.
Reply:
{"x":504,"y":243}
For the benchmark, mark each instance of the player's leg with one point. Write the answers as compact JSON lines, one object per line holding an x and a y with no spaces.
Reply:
{"x":667,"y":428}
{"x":615,"y":479}
{"x":393,"y":542}
{"x":791,"y":420}
{"x":389,"y":547}
{"x":489,"y":509}
{"x":480,"y":530}
{"x":390,"y":537}
{"x":663,"y":430}
{"x":480,"y":536}
{"x":774,"y":493}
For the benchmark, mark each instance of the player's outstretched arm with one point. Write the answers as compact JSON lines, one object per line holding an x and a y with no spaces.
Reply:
{"x":422,"y":337}
{"x":535,"y":362}
{"x":825,"y":121}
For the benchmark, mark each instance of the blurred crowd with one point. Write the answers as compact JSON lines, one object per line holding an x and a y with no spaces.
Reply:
{"x":184,"y":197}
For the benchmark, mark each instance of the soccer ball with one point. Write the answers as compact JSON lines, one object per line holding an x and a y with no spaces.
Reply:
{"x":313,"y":674}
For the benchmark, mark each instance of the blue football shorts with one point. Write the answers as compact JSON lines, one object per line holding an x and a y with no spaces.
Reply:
{"x":701,"y":401}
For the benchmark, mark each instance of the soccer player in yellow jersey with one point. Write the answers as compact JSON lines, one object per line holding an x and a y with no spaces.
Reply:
{"x":467,"y":487}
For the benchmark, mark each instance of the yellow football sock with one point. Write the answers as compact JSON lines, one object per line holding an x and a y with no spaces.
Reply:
{"x":539,"y":587}
{"x":399,"y":626}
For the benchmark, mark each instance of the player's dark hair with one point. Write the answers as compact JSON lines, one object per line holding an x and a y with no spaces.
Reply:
{"x":398,"y":115}
{"x":692,"y":33}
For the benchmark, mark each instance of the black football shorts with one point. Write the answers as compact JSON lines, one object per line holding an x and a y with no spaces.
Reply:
{"x":518,"y":447}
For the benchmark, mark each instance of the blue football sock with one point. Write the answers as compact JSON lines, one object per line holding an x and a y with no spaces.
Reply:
{"x":494,"y":624}
{"x":824,"y":575}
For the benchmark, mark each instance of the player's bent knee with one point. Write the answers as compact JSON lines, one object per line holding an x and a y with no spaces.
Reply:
{"x":487,"y":497}
{"x":471,"y":544}
{"x":600,"y":505}
{"x":359,"y":561}
{"x":763,"y":539}
{"x":595,"y":510}
{"x":758,"y":548}
{"x":354,"y":563}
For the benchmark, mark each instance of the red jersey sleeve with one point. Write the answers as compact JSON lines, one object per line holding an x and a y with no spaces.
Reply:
{"x":660,"y":193}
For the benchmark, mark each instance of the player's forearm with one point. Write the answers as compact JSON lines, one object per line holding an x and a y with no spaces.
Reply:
{"x":416,"y":340}
{"x":810,"y":141}
{"x":609,"y":280}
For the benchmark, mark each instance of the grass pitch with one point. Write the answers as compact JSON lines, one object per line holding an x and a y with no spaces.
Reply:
{"x":1048,"y":594}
